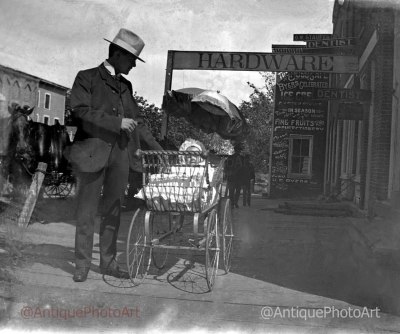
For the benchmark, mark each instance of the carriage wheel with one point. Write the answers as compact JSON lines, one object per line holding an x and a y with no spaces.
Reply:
{"x":212,"y":248}
{"x":225,"y":224}
{"x":138,"y":250}
{"x":158,"y":255}
{"x":58,"y":186}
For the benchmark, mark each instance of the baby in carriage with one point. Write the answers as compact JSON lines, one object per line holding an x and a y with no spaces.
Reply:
{"x":184,"y":185}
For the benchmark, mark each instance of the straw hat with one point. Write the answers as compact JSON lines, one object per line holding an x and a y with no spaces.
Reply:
{"x":129,"y":41}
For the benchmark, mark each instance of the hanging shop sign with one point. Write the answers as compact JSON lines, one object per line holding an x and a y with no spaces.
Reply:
{"x":311,"y":37}
{"x":330,"y":43}
{"x":288,"y":48}
{"x":324,"y":94}
{"x":303,"y":49}
{"x":343,"y":94}
{"x":270,"y":62}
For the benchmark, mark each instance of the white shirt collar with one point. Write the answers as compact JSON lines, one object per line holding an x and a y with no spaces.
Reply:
{"x":109,"y":68}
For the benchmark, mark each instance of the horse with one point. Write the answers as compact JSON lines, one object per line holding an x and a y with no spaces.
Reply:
{"x":32,"y":142}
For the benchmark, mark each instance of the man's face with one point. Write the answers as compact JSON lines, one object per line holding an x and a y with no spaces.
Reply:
{"x":126,"y":61}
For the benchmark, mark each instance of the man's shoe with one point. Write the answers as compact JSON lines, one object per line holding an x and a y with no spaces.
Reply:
{"x":80,"y":275}
{"x":115,"y":272}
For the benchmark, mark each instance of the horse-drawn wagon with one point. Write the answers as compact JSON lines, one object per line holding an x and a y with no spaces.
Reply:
{"x":29,"y":143}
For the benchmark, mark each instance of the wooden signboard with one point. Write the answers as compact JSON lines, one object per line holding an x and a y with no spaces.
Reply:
{"x":288,"y":48}
{"x":311,"y":37}
{"x":302,"y":49}
{"x":306,"y":121}
{"x":270,"y":62}
{"x":325,"y":94}
{"x":329,"y":43}
{"x":256,"y":61}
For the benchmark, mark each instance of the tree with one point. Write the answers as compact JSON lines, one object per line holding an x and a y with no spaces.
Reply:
{"x":151,"y":114}
{"x":258,"y":112}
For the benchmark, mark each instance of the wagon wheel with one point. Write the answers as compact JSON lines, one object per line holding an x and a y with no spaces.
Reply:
{"x":212,"y":248}
{"x":138,"y":249}
{"x":57,"y":185}
{"x":226,"y":231}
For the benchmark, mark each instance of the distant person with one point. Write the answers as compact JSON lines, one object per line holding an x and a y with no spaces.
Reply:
{"x":104,"y":111}
{"x":232,"y":168}
{"x":247,"y":176}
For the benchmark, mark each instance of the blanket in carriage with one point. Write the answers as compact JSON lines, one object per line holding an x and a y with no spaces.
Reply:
{"x":182,"y":189}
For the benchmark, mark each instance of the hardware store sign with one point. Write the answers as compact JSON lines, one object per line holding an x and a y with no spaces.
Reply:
{"x":271,"y":62}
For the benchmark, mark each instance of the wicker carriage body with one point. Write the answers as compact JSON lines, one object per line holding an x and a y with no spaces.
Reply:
{"x":180,"y":181}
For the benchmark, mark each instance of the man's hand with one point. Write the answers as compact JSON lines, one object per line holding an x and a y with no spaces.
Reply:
{"x":128,"y":125}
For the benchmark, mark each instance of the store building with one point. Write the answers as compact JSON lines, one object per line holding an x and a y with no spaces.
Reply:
{"x":47,"y":97}
{"x":363,"y":137}
{"x":299,"y":131}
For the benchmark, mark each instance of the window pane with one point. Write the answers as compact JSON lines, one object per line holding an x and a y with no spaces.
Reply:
{"x":296,"y":165}
{"x":296,"y":146}
{"x":47,"y":101}
{"x":306,"y":162}
{"x":300,"y":159}
{"x":305,"y":147}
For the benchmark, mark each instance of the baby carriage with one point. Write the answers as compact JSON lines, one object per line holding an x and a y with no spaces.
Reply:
{"x":184,"y":189}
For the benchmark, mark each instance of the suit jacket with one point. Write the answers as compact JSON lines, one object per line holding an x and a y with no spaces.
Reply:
{"x":99,"y":102}
{"x":147,"y":141}
{"x":233,"y":168}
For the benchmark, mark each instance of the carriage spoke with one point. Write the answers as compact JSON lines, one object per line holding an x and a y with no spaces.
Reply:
{"x":57,"y":185}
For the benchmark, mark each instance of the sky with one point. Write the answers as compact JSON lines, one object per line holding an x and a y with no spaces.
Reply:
{"x":54,"y":39}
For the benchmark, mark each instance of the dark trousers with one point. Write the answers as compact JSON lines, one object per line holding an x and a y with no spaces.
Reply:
{"x":112,"y":181}
{"x":246,"y":193}
{"x":234,"y":192}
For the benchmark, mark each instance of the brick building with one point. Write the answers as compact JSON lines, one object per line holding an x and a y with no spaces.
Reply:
{"x":363,"y":139}
{"x":47,"y":97}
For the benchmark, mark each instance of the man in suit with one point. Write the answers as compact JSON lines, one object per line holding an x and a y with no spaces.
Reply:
{"x":247,"y":177}
{"x":104,"y":111}
{"x":232,"y":168}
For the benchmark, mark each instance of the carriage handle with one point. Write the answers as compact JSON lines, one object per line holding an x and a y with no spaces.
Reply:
{"x":140,"y":153}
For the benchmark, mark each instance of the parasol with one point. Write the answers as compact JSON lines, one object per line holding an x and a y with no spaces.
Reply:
{"x":207,"y":110}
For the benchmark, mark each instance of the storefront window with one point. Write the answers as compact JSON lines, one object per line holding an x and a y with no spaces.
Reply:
{"x":300,"y":155}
